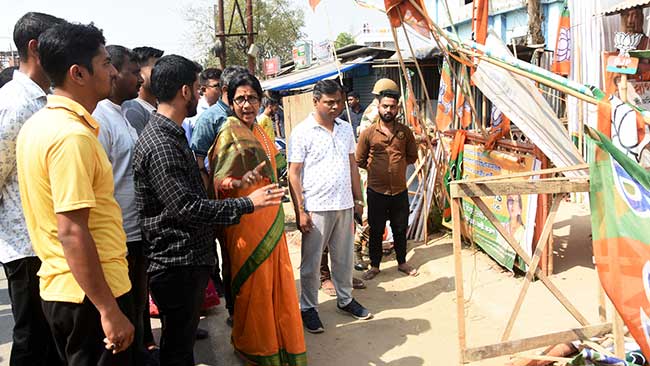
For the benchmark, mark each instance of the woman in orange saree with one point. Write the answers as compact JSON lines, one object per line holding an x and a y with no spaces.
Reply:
{"x":267,"y":327}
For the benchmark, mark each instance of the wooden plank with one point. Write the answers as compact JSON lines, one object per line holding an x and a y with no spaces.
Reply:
{"x":458,"y":267}
{"x":564,"y":360}
{"x":618,"y":333}
{"x":527,"y":174}
{"x":504,"y":188}
{"x":418,"y":166}
{"x":602,"y":305}
{"x":527,"y":344}
{"x":540,"y":274}
{"x":543,"y":240}
{"x":296,"y":108}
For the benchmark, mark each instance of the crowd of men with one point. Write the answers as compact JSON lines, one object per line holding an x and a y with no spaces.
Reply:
{"x":105,"y":200}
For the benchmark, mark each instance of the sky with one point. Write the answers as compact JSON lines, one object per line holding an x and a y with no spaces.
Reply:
{"x":161,"y":24}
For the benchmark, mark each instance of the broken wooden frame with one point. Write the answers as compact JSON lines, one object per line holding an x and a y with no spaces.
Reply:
{"x":476,"y":188}
{"x":543,"y":204}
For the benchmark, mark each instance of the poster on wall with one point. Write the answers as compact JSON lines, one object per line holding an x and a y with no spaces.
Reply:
{"x":515,"y":212}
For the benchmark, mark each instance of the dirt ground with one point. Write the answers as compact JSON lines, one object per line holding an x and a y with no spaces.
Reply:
{"x":415,"y":318}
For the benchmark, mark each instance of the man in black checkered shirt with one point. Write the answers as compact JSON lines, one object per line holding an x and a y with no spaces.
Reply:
{"x":177,"y":218}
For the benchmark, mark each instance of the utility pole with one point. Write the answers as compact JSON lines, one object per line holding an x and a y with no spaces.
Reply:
{"x":535,"y":36}
{"x":221,"y":32}
{"x":249,"y":35}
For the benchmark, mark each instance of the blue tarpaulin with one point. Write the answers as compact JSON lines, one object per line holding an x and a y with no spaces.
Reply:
{"x":311,"y":75}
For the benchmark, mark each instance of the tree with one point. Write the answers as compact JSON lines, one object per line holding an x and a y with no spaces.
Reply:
{"x":343,"y":39}
{"x":277,"y":23}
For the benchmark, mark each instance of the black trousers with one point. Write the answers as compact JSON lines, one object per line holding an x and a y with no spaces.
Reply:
{"x":178,"y":292}
{"x":394,"y":208}
{"x":140,"y":294}
{"x":78,"y":333}
{"x":32,"y":341}
{"x":226,"y":276}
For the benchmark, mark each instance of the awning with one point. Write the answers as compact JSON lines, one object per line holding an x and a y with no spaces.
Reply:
{"x":624,"y":5}
{"x":311,"y":75}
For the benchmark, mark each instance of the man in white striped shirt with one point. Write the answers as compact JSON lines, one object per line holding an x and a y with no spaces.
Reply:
{"x":19,"y":100}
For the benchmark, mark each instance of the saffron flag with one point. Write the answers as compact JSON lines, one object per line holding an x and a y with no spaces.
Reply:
{"x":403,"y":10}
{"x":313,"y":4}
{"x":624,"y":125}
{"x":500,"y":127}
{"x":480,"y":21}
{"x":620,"y":217}
{"x":455,"y":171}
{"x":562,"y":57}
{"x":480,"y":17}
{"x":463,"y":109}
{"x":411,"y":114}
{"x":444,"y":115}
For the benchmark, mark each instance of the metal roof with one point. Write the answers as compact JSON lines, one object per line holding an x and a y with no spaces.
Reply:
{"x":624,"y":5}
{"x":312,"y":75}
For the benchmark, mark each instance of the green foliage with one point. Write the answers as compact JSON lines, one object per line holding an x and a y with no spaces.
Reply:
{"x":277,"y":22}
{"x":343,"y":39}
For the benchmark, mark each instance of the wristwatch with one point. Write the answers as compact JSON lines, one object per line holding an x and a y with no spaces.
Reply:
{"x":359,"y":202}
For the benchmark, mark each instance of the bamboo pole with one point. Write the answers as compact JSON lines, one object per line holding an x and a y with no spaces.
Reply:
{"x":526,"y":174}
{"x":485,"y":52}
{"x":458,"y":277}
{"x":417,"y":65}
{"x":539,"y":79}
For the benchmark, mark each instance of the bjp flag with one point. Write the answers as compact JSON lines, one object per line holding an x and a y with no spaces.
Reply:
{"x":562,"y":57}
{"x":411,"y":113}
{"x":463,"y":109}
{"x":480,"y":21}
{"x":313,"y":4}
{"x":444,"y":114}
{"x":399,"y":10}
{"x":623,"y":125}
{"x":500,"y":128}
{"x":619,"y":198}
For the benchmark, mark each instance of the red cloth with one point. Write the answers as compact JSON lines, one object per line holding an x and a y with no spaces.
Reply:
{"x":211,"y":299}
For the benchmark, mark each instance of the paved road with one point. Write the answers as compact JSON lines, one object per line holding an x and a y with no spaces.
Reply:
{"x":6,"y":321}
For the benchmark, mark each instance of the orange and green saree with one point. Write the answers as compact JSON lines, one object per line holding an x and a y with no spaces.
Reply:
{"x":267,"y":327}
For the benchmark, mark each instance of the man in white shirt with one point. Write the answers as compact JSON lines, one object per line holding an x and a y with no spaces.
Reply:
{"x":19,"y":100}
{"x":137,"y":111}
{"x":325,"y":187}
{"x":118,"y":138}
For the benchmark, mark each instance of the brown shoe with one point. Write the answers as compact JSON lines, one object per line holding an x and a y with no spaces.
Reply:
{"x":357,"y":284}
{"x":370,"y":274}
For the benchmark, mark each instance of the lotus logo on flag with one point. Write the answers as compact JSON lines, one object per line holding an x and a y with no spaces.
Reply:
{"x":635,"y":195}
{"x":620,"y":215}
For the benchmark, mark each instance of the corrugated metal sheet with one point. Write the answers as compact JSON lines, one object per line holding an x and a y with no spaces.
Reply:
{"x":363,"y":86}
{"x":553,"y":96}
{"x":311,"y":75}
{"x":624,"y":5}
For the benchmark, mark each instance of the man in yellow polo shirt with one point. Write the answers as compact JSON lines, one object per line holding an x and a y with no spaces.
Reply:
{"x":66,"y":187}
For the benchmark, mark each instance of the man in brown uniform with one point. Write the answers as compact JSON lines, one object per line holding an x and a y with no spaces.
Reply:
{"x":384,"y":149}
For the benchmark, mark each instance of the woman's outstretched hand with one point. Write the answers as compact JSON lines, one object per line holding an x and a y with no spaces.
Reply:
{"x":251,"y":177}
{"x":270,"y":195}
